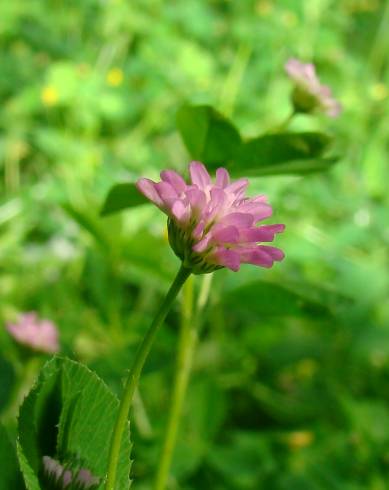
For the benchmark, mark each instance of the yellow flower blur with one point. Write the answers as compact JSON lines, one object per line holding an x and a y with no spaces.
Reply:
{"x":49,"y":96}
{"x":115,"y":77}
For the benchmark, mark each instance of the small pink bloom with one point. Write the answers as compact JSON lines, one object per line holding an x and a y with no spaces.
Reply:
{"x":56,"y":472}
{"x":39,"y":335}
{"x":310,"y":93}
{"x":213,"y":225}
{"x":62,"y":477}
{"x":86,"y":479}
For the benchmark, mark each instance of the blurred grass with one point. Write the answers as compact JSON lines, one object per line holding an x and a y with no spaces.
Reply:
{"x":283,"y":398}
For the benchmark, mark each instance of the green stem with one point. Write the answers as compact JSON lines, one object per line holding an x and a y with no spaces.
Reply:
{"x":134,"y":375}
{"x":378,"y":52}
{"x":187,"y":343}
{"x":285,"y":124}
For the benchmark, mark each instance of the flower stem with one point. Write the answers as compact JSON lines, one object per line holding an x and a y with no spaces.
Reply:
{"x":285,"y":124}
{"x":187,"y":343}
{"x":134,"y":375}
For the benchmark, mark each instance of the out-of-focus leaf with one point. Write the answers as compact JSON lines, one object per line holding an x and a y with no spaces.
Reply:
{"x":270,"y":299}
{"x":294,"y":167}
{"x":7,"y":378}
{"x":122,"y":196}
{"x":369,"y":418}
{"x":69,"y":415}
{"x":90,"y":224}
{"x":208,"y":135}
{"x":10,"y":472}
{"x":214,"y":140}
{"x":208,"y":409}
{"x":284,"y":153}
{"x":243,"y":460}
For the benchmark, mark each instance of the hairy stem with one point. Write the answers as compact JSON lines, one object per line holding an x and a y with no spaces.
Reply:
{"x":134,"y":375}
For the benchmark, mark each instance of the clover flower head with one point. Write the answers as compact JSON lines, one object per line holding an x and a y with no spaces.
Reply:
{"x":86,"y":480}
{"x":213,"y":225}
{"x":57,"y":473}
{"x":37,"y":334}
{"x":309,"y":94}
{"x":60,"y":477}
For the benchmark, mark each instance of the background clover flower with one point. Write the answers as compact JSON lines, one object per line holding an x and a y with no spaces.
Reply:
{"x":309,"y":94}
{"x":39,"y":335}
{"x":57,"y":474}
{"x":213,"y":225}
{"x":61,"y":477}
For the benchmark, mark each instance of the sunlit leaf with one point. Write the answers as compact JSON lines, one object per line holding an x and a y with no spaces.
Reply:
{"x":208,"y":136}
{"x":122,"y":196}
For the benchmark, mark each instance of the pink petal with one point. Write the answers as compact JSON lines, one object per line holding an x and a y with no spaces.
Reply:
{"x":241,"y":220}
{"x":66,"y":478}
{"x":275,"y":253}
{"x":198,"y":230}
{"x":263,"y":233}
{"x":258,"y":210}
{"x":202,"y":245}
{"x":216,"y":203}
{"x":222,"y":177}
{"x":180,"y":211}
{"x":228,"y":234}
{"x":147,"y":188}
{"x":196,"y":198}
{"x":166,"y":191}
{"x":86,"y":478}
{"x":303,"y":73}
{"x":238,"y":188}
{"x":257,"y":257}
{"x":255,"y":235}
{"x":227,"y":258}
{"x":174,"y":179}
{"x":278,"y":228}
{"x":262,"y":211}
{"x":199,"y":175}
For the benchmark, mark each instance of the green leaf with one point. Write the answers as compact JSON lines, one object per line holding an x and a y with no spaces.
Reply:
{"x":208,"y":135}
{"x":122,"y":196}
{"x":270,"y":299}
{"x":294,"y":167}
{"x":284,"y":153}
{"x":69,"y":415}
{"x":10,"y":472}
{"x":214,"y":140}
{"x":237,"y":459}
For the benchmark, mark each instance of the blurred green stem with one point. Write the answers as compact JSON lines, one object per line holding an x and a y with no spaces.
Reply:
{"x":379,"y":50}
{"x":134,"y":375}
{"x":140,"y":417}
{"x":284,"y":125}
{"x":27,"y":374}
{"x":234,"y":78}
{"x":187,"y":344}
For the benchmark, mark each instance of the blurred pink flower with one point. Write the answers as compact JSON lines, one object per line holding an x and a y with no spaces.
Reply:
{"x":38,"y":335}
{"x":213,"y":225}
{"x":56,"y":472}
{"x":310,"y":93}
{"x":62,"y":477}
{"x":86,"y":479}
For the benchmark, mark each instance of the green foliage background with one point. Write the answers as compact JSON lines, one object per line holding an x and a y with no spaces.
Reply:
{"x":290,"y":383}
